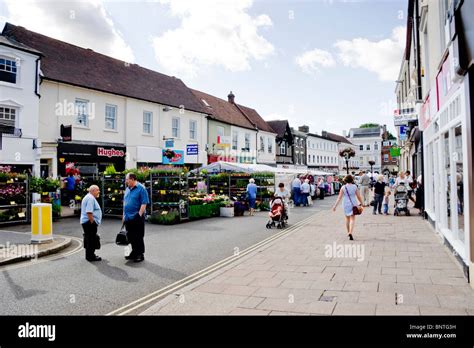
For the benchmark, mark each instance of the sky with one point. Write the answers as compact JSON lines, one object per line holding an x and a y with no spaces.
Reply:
{"x":328,"y":64}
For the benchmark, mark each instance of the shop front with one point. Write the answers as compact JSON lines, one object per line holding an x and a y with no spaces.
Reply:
{"x":446,"y":153}
{"x":89,"y":158}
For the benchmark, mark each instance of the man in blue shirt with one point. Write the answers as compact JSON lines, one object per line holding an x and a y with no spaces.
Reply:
{"x":134,"y":206}
{"x":91,"y":217}
{"x":296,"y":189}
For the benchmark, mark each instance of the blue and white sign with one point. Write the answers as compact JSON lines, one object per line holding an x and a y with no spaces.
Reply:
{"x":403,"y":133}
{"x":169,"y":143}
{"x":192,"y":149}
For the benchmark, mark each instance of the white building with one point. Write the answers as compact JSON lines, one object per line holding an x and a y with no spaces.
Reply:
{"x":322,"y":153}
{"x":368,"y":142}
{"x":342,"y":144}
{"x":19,"y":97}
{"x":120,"y":114}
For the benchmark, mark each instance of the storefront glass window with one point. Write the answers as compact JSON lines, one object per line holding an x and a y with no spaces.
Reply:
{"x":447,"y":179}
{"x":458,"y":156}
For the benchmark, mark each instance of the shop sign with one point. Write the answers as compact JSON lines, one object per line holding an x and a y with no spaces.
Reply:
{"x":177,"y":159}
{"x":395,"y":151}
{"x":403,"y":119}
{"x":224,"y":140}
{"x":403,"y":133}
{"x":192,"y":149}
{"x":169,"y":143}
{"x":110,"y":152}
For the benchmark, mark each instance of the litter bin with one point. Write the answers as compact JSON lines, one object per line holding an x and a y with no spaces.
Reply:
{"x":41,"y":222}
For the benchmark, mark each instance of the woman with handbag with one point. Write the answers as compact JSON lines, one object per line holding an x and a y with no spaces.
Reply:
{"x":91,"y":217}
{"x":351,"y":195}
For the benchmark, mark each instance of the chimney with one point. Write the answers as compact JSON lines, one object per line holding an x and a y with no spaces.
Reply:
{"x":304,"y":129}
{"x":324,"y":134}
{"x":231,"y":97}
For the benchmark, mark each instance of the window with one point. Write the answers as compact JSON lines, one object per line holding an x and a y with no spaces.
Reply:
{"x":247,"y":141}
{"x":8,"y":70}
{"x":361,"y":147}
{"x":235,"y":140}
{"x":367,"y":147}
{"x":283,"y":148}
{"x":110,"y":117}
{"x":317,"y":159}
{"x":314,"y":158}
{"x":220,"y":132}
{"x":270,"y":145}
{"x":192,"y":129}
{"x":385,"y":157}
{"x":309,"y":158}
{"x":82,"y":118}
{"x":7,"y":116}
{"x":262,"y":144}
{"x":376,"y":146}
{"x":147,"y":122}
{"x":175,"y":127}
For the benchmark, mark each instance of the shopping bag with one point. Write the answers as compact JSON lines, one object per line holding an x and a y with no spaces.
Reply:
{"x":310,"y":200}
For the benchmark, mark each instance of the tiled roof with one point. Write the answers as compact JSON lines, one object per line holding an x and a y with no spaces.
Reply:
{"x":222,"y":110}
{"x":256,"y":119}
{"x":338,"y":138}
{"x":279,"y":126}
{"x":63,"y":62}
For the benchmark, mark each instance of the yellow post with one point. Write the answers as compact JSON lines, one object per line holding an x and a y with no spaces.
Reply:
{"x":41,"y":222}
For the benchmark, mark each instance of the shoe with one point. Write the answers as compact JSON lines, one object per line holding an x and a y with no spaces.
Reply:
{"x":350,"y":236}
{"x":374,"y":213}
{"x":139,"y":259}
{"x":129,"y":257}
{"x":95,"y":258}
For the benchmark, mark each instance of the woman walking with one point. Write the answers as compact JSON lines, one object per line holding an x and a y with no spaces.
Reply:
{"x":252,"y":195}
{"x":379,"y":192}
{"x":351,"y":195}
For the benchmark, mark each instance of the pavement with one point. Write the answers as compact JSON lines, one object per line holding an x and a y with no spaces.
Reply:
{"x":395,"y":266}
{"x":66,"y":284}
{"x":16,"y":247}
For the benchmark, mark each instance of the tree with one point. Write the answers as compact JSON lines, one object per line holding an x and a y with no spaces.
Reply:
{"x":369,"y":125}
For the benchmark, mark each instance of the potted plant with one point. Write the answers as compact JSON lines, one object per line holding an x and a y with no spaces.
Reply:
{"x":226,"y":208}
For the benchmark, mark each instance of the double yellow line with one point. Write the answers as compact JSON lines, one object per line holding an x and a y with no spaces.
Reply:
{"x":161,"y":293}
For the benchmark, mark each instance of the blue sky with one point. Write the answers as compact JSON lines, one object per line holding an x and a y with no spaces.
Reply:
{"x":328,"y":64}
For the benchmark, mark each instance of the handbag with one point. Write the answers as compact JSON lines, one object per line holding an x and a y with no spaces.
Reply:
{"x":97,"y":242}
{"x":355,"y":209}
{"x":122,"y":238}
{"x":372,"y":203}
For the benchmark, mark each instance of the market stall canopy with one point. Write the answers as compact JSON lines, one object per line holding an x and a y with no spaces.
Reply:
{"x":222,"y":166}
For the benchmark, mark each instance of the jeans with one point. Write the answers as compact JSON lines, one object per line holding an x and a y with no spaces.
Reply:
{"x":135,"y":234}
{"x":304,"y":199}
{"x":385,"y":208}
{"x":378,"y":203}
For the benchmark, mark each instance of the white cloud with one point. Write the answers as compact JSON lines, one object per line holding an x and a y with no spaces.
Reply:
{"x":381,"y":57}
{"x":311,"y":61}
{"x":84,"y":23}
{"x":212,"y":33}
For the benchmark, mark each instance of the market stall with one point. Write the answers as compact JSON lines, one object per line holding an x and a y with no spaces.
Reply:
{"x":14,"y":198}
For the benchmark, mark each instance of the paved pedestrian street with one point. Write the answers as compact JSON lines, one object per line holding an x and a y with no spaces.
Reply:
{"x":395,"y":266}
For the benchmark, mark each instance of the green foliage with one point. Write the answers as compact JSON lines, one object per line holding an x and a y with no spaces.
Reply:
{"x":164,"y":217}
{"x":110,"y":170}
{"x":39,"y":185}
{"x":369,"y":125}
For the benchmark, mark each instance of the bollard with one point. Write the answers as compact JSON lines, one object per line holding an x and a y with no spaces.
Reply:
{"x":41,"y":222}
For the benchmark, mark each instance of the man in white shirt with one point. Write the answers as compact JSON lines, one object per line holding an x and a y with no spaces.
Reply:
{"x":296,"y":190}
{"x":365,"y":188}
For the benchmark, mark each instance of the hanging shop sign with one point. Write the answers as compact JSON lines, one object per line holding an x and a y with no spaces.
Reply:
{"x":402,"y":119}
{"x":395,"y":151}
{"x":178,"y":157}
{"x":169,"y":143}
{"x":403,"y":133}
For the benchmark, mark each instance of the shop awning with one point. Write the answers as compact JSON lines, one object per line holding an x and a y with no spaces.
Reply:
{"x":222,"y":166}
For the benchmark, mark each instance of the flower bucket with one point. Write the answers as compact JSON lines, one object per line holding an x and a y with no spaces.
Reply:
{"x":227,"y":212}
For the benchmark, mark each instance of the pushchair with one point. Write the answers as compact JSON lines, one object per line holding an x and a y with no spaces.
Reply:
{"x":277,"y":214}
{"x":401,"y":200}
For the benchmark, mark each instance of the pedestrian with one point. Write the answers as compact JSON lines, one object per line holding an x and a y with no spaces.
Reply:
{"x":296,"y":190}
{"x":305,"y":190}
{"x":283,"y":193}
{"x":379,"y":192}
{"x":364,"y":183}
{"x":135,"y":201}
{"x":386,"y":200}
{"x":91,"y":217}
{"x":252,"y":195}
{"x":391,"y":181}
{"x":411,"y":185}
{"x":70,"y":186}
{"x":350,"y":195}
{"x":419,"y":195}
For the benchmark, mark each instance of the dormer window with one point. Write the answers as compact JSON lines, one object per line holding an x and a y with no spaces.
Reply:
{"x":8,"y":70}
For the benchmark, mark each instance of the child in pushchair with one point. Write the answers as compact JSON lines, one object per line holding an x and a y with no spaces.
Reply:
{"x":277,"y":214}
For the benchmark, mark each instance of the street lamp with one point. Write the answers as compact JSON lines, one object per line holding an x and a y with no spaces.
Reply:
{"x":371,"y":170}
{"x":347,"y":156}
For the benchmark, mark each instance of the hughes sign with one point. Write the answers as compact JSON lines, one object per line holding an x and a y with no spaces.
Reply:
{"x":110,"y":152}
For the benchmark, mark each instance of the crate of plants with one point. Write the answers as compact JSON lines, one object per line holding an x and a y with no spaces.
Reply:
{"x":219,"y":183}
{"x":205,"y":205}
{"x":169,"y":190}
{"x":113,"y":192}
{"x":48,"y":191}
{"x":13,"y":197}
{"x":165,"y":216}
